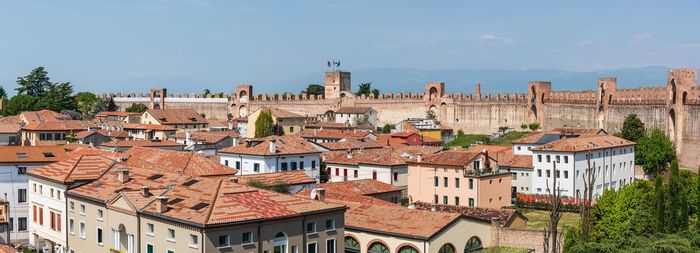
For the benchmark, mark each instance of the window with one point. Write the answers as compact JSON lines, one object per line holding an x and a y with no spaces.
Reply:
{"x":313,"y":164}
{"x":294,"y":249}
{"x":514,"y":176}
{"x":21,"y":195}
{"x":149,"y":248}
{"x":471,"y":183}
{"x":71,"y":206}
{"x":456,"y":182}
{"x":294,"y":165}
{"x":82,"y":209}
{"x":330,"y":224}
{"x":311,"y":227}
{"x":12,"y":224}
{"x":374,"y":175}
{"x":330,"y":246}
{"x":311,"y":248}
{"x":539,"y":158}
{"x":82,"y":230}
{"x":456,"y":201}
{"x":51,"y":191}
{"x":256,"y":167}
{"x":435,"y":199}
{"x":549,"y":174}
{"x":41,"y":216}
{"x":224,"y":241}
{"x":471,"y":202}
{"x":71,"y":226}
{"x":444,"y":200}
{"x":558,"y":174}
{"x":291,"y":129}
{"x":169,"y":251}
{"x":150,"y":229}
{"x":34,"y":187}
{"x":447,"y":248}
{"x":549,"y":159}
{"x":566,"y":159}
{"x":396,"y":176}
{"x":238,"y":165}
{"x":99,"y":236}
{"x":558,"y":159}
{"x":21,"y":170}
{"x":284,"y":166}
{"x":100,"y":214}
{"x":566,"y":174}
{"x":41,"y":189}
{"x":437,"y":183}
{"x":355,"y":173}
{"x":301,"y":165}
{"x":539,"y":172}
{"x":171,"y":234}
{"x":247,"y":237}
{"x":22,"y":223}
{"x":377,"y":247}
{"x":444,"y":180}
{"x":194,"y":241}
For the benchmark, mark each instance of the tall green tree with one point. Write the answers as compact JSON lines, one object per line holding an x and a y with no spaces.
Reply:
{"x":137,"y":107}
{"x":364,"y":88}
{"x":654,"y":152}
{"x":264,"y":125}
{"x":660,"y":204}
{"x":206,"y":92}
{"x":20,"y":103}
{"x":632,"y":128}
{"x":315,"y":89}
{"x":697,"y":201}
{"x":110,"y":106}
{"x":35,"y":83}
{"x":87,"y":104}
{"x":675,"y":205}
{"x":375,"y":92}
{"x":58,"y":98}
{"x":3,"y":94}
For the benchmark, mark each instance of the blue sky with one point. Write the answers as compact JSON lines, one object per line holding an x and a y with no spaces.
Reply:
{"x":132,"y":45}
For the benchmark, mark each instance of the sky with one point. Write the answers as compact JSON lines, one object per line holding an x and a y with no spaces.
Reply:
{"x":127,"y":46}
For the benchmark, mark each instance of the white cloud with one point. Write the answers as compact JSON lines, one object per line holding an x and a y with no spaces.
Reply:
{"x":488,"y":38}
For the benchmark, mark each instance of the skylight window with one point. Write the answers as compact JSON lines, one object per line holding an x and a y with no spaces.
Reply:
{"x":191,"y":182}
{"x":156,"y":176}
{"x":199,"y":206}
{"x":175,"y":201}
{"x":22,"y":155}
{"x":49,"y":154}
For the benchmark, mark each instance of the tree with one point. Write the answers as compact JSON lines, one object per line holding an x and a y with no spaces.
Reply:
{"x":585,"y":201}
{"x":364,"y":88}
{"x":523,"y":126}
{"x":87,"y":104}
{"x":315,"y":89}
{"x":654,"y":152}
{"x":137,"y":107}
{"x":375,"y":92}
{"x":552,"y":237}
{"x":3,"y":94}
{"x":206,"y":92}
{"x":697,"y":202}
{"x":110,"y":105}
{"x":20,"y":103}
{"x":58,"y":97}
{"x":34,"y":84}
{"x":430,"y":114}
{"x":632,"y":128}
{"x":264,"y":125}
{"x":675,"y":205}
{"x":387,"y":128}
{"x":660,"y":204}
{"x":534,"y":126}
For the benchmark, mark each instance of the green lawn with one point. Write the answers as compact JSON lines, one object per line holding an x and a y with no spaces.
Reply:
{"x":506,"y":139}
{"x":467,"y":139}
{"x":538,"y":218}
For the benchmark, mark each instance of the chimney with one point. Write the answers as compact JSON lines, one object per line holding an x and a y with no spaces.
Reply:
{"x":188,"y":135}
{"x":234,"y":179}
{"x":161,"y":204}
{"x":123,"y":175}
{"x":354,"y":130}
{"x":145,"y":191}
{"x":419,"y":157}
{"x":315,"y":132}
{"x":320,"y":194}
{"x":349,"y":155}
{"x":273,"y":146}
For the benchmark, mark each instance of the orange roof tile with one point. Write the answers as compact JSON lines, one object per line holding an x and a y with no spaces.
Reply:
{"x":349,"y":144}
{"x":187,"y":163}
{"x":505,"y":216}
{"x":382,"y":156}
{"x":451,"y":158}
{"x":78,"y":167}
{"x":31,"y":154}
{"x":10,"y":124}
{"x":294,"y":177}
{"x":206,"y":137}
{"x":366,"y":187}
{"x":584,"y":143}
{"x":282,"y":114}
{"x":149,"y":127}
{"x":333,"y":134}
{"x":288,"y":144}
{"x":140,"y":143}
{"x":517,"y":161}
{"x":66,"y":125}
{"x":177,"y":116}
{"x":118,"y":114}
{"x":44,"y":116}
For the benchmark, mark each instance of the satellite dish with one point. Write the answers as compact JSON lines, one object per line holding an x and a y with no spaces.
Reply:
{"x":313,"y":194}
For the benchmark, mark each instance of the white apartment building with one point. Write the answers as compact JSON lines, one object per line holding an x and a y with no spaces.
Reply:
{"x":382,"y":164}
{"x":355,"y":115}
{"x":612,"y":158}
{"x":15,"y":162}
{"x":273,"y":154}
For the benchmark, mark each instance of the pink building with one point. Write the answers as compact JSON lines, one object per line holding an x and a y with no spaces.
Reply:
{"x":459,"y":177}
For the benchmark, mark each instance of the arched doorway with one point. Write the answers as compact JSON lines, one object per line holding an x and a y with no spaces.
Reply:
{"x":473,"y":245}
{"x":242,"y":111}
{"x":377,"y":247}
{"x":352,"y":245}
{"x":329,"y":116}
{"x":280,"y":243}
{"x":432,"y":93}
{"x":672,"y":125}
{"x":673,"y":91}
{"x":407,"y":249}
{"x":447,"y":248}
{"x":243,"y":97}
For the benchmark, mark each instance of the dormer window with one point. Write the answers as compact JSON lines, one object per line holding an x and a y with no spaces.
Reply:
{"x":22,"y":155}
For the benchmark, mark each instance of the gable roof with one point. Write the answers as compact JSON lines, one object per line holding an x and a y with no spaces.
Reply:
{"x":140,"y":143}
{"x":206,"y":137}
{"x":380,"y":156}
{"x":451,"y":158}
{"x":584,"y":143}
{"x":365,"y":187}
{"x":187,"y":163}
{"x":353,"y":110}
{"x":149,"y":127}
{"x":78,"y":167}
{"x":31,"y":154}
{"x":294,"y":177}
{"x":349,"y":144}
{"x":177,"y":116}
{"x":285,"y":145}
{"x":10,"y":124}
{"x":333,"y":134}
{"x":538,"y":138}
{"x":66,"y":125}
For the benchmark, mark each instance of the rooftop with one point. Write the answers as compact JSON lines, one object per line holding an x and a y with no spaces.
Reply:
{"x":338,"y":126}
{"x":186,"y":163}
{"x":149,"y":127}
{"x":381,"y":156}
{"x":333,"y":134}
{"x":365,"y":187}
{"x":349,"y":144}
{"x":177,"y":116}
{"x":66,"y":125}
{"x":505,"y":216}
{"x":353,"y":110}
{"x":584,"y":143}
{"x":294,"y":177}
{"x":78,"y":167}
{"x":32,"y":154}
{"x":117,"y":114}
{"x":452,"y":157}
{"x":43,"y":116}
{"x":10,"y":124}
{"x":206,"y":137}
{"x":539,"y":138}
{"x":140,"y":143}
{"x":282,"y":114}
{"x":284,"y":145}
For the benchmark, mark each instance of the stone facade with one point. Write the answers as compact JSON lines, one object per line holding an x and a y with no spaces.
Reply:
{"x":675,"y":108}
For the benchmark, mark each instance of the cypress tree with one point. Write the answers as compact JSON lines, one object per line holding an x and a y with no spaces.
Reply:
{"x":660,"y":205}
{"x":697,"y":202}
{"x":673,"y":200}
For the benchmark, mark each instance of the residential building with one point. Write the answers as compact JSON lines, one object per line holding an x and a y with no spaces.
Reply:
{"x":382,"y":164}
{"x":320,"y":125}
{"x":206,"y":143}
{"x":180,"y":119}
{"x":15,"y":163}
{"x":612,"y":159}
{"x":363,"y":187}
{"x":398,"y":139}
{"x":241,"y":126}
{"x":426,"y":128}
{"x":123,"y":145}
{"x":285,"y":122}
{"x":92,"y":137}
{"x":143,"y":210}
{"x":356,"y":116}
{"x":125,"y":117}
{"x":219,"y":125}
{"x":149,"y":131}
{"x":10,"y":130}
{"x":348,"y":144}
{"x":521,"y":169}
{"x":292,"y":181}
{"x":459,"y":177}
{"x":48,"y":128}
{"x":273,"y":154}
{"x":5,"y":227}
{"x":332,"y":135}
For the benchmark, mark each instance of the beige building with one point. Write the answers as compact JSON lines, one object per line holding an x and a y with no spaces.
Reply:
{"x":180,"y":119}
{"x":138,"y":210}
{"x":48,"y":128}
{"x":149,"y":131}
{"x":285,"y":122}
{"x":459,"y":177}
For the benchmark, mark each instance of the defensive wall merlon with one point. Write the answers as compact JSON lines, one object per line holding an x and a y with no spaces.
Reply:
{"x":683,"y":80}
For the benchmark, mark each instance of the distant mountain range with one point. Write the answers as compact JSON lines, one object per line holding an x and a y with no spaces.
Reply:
{"x":496,"y":80}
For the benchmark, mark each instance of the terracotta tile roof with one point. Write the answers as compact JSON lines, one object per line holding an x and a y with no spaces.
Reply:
{"x":282,"y":114}
{"x":517,"y":161}
{"x":10,"y":124}
{"x":31,"y":154}
{"x":337,"y":126}
{"x":366,"y":187}
{"x":333,"y":134}
{"x":383,"y":157}
{"x":77,"y":167}
{"x":177,"y":116}
{"x":409,"y":153}
{"x":491,"y":149}
{"x":451,"y":158}
{"x":387,"y":141}
{"x":140,"y":143}
{"x":286,"y":145}
{"x":403,"y":135}
{"x":580,"y":131}
{"x":218,"y":123}
{"x":206,"y":137}
{"x":584,"y":143}
{"x":538,"y":138}
{"x":117,"y":114}
{"x":505,"y":216}
{"x":118,"y":134}
{"x":294,"y":177}
{"x":350,"y":144}
{"x":149,"y":127}
{"x":66,"y":125}
{"x":186,"y":163}
{"x":353,"y":110}
{"x":69,"y":147}
{"x":44,"y":116}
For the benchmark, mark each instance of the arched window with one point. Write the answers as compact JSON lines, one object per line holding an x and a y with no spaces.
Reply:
{"x":408,"y":249}
{"x":473,"y":245}
{"x":447,"y":248}
{"x":377,"y":247}
{"x":351,"y":245}
{"x":280,"y":243}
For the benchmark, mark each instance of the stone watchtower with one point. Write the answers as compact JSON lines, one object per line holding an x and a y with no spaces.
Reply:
{"x":336,"y":82}
{"x":157,"y":96}
{"x":536,"y":91}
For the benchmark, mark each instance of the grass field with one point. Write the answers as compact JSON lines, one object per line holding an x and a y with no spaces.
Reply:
{"x":467,"y":139}
{"x":537,"y":219}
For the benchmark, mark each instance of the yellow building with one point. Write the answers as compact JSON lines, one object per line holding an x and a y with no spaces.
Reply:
{"x":285,"y":122}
